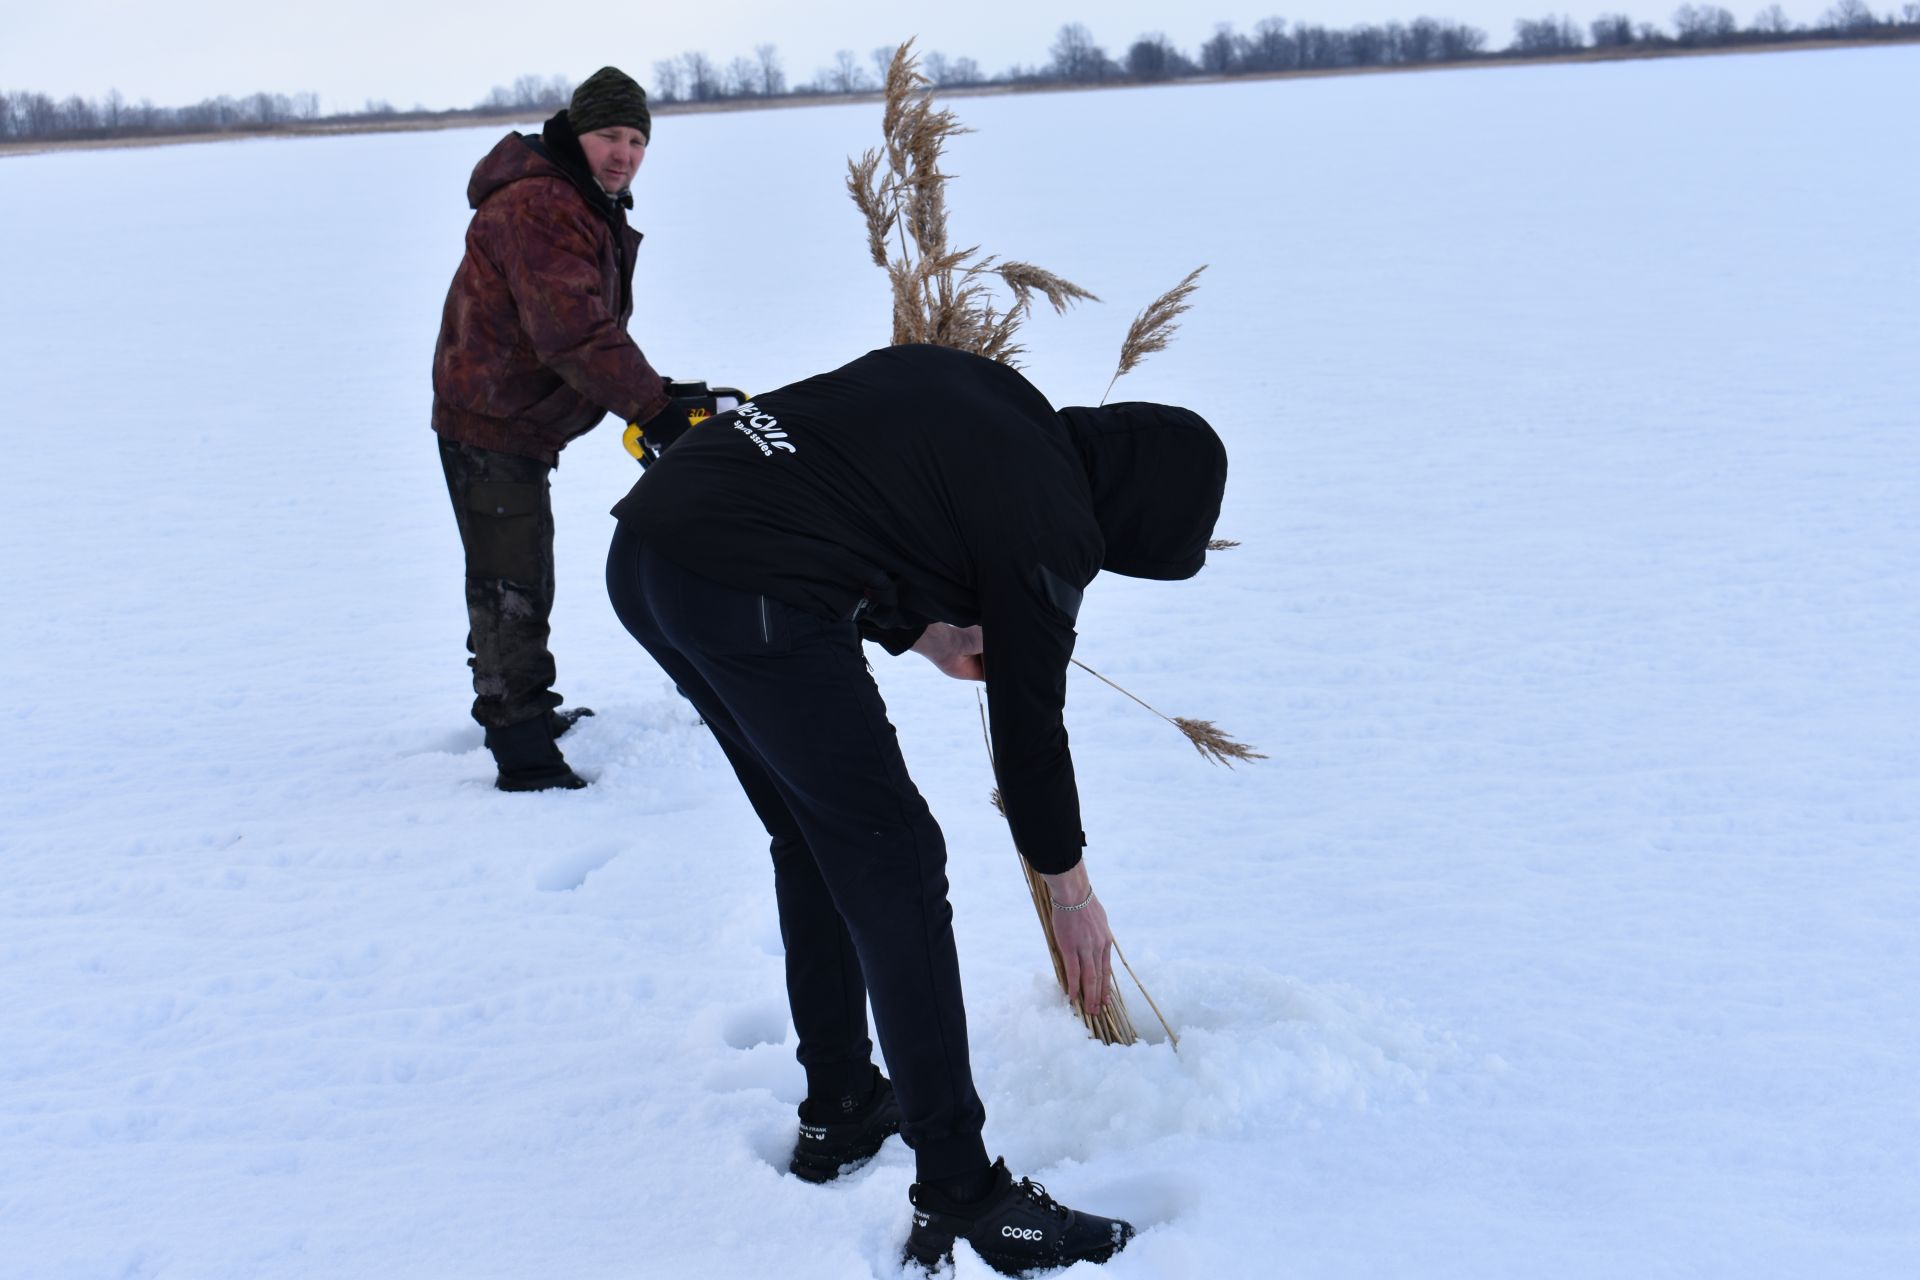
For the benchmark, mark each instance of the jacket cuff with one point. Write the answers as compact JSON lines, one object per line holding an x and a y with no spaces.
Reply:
{"x":1060,"y":860}
{"x":895,"y":640}
{"x":1051,"y":856}
{"x":651,"y":407}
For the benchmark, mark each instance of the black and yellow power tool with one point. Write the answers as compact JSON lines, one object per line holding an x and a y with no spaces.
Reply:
{"x":697,"y":400}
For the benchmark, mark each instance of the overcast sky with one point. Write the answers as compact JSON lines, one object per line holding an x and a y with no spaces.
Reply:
{"x":448,"y":54}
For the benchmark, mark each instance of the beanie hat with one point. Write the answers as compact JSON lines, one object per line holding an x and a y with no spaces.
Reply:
{"x":607,"y":98}
{"x":1157,"y":473}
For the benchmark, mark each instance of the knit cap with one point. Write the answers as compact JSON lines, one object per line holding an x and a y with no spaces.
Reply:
{"x":607,"y":98}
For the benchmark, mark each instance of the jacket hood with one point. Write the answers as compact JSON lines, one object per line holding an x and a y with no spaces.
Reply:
{"x":510,"y":160}
{"x":1157,"y":473}
{"x":555,"y":153}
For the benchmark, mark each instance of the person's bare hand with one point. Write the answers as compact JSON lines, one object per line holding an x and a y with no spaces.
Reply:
{"x":955,"y":650}
{"x":1084,"y":939}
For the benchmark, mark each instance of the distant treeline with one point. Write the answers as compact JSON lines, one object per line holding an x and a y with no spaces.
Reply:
{"x":1075,"y":58}
{"x":1276,"y":46}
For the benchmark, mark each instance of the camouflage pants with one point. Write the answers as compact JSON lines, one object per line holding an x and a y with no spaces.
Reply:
{"x":505,"y":513}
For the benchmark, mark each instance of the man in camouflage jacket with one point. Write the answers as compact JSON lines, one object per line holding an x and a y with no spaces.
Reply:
{"x":534,"y":351}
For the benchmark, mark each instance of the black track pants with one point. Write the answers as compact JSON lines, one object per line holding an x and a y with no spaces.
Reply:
{"x":859,"y":864}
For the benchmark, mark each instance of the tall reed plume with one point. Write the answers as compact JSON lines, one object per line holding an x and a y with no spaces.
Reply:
{"x":945,"y":295}
{"x":1206,"y":737}
{"x":941,"y":294}
{"x":1154,"y":328}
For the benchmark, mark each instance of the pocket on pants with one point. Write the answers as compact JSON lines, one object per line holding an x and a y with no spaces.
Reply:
{"x":507,"y":531}
{"x":777,"y":628}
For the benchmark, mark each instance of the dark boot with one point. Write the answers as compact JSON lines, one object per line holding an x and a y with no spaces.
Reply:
{"x":1014,"y":1227}
{"x":828,"y":1143}
{"x":563,"y":720}
{"x":528,"y":759}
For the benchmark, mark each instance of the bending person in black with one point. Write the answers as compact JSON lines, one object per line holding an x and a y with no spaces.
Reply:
{"x":932,"y":500}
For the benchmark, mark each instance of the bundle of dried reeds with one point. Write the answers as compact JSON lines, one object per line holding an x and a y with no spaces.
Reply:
{"x":1111,"y":1024}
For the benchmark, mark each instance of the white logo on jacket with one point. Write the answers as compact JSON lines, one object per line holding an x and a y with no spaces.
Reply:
{"x":762,"y":428}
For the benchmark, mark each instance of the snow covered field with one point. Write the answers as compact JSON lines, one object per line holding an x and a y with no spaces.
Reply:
{"x":1568,"y":932}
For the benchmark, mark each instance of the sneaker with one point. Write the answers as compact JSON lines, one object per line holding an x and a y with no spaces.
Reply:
{"x":822,"y":1151}
{"x":1015,"y":1227}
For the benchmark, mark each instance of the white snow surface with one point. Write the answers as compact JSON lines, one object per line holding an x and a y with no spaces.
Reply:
{"x":1569,"y":929}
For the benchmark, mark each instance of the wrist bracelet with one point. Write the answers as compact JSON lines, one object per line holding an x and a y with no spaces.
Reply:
{"x":1061,"y":906}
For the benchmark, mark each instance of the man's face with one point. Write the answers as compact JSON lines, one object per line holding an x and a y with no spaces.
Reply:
{"x":614,"y":154}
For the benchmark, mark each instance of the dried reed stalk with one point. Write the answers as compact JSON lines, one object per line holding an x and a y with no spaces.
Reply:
{"x":1113,"y":1024}
{"x":1173,"y":1037}
{"x":1205,"y":736}
{"x":941,"y":295}
{"x":1154,"y":328}
{"x":944,"y":296}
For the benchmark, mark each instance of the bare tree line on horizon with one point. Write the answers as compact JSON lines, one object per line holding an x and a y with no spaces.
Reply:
{"x":1274,"y":45}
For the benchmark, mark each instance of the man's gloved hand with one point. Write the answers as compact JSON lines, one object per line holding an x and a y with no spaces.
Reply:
{"x":689,"y":405}
{"x":648,"y":440}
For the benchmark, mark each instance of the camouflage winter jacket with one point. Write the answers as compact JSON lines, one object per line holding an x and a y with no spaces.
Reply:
{"x":533,"y":346}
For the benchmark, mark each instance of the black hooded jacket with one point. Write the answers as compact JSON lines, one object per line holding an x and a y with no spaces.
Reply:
{"x":923,"y":484}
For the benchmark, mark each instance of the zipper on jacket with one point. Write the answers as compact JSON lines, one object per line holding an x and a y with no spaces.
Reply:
{"x":766,"y":631}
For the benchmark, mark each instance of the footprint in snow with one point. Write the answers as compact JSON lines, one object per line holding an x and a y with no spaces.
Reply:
{"x":752,"y":1027}
{"x":454,"y":742}
{"x":568,"y":871}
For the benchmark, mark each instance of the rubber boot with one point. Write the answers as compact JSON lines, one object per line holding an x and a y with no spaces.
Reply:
{"x":528,"y":758}
{"x":564,"y":719}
